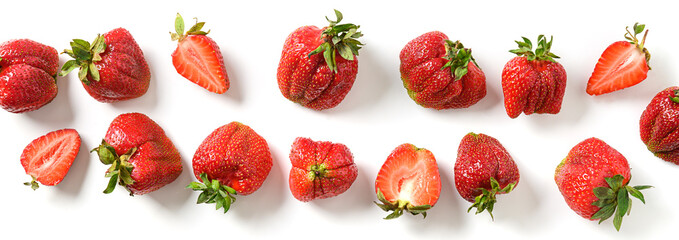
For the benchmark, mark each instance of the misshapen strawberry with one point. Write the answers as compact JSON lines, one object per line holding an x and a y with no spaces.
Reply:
{"x":593,"y":180}
{"x":112,"y":68}
{"x":198,"y":58}
{"x":440,"y":74}
{"x":533,"y":82}
{"x":318,"y":66}
{"x":408,"y":181}
{"x":27,"y":75}
{"x":320,"y":169}
{"x":623,"y":64}
{"x":659,"y":125}
{"x":142,"y":157}
{"x":232,"y":160}
{"x":483,"y":169}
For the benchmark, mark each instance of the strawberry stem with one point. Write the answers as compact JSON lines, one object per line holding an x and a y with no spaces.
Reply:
{"x":399,"y":206}
{"x":84,"y":56}
{"x":33,"y":183}
{"x":458,"y":58}
{"x":212,"y":191}
{"x":179,"y":35}
{"x":542,"y":51}
{"x":486,"y":200}
{"x":342,"y":39}
{"x":614,"y":199}
{"x":120,"y":172}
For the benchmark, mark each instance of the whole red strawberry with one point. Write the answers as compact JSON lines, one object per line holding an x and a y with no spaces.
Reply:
{"x":440,"y":74}
{"x":533,"y":82}
{"x":408,"y":181}
{"x":27,"y":75}
{"x":48,"y":158}
{"x":142,"y":157}
{"x":198,"y":58}
{"x":593,"y":180}
{"x":658,"y":125}
{"x":232,"y":160}
{"x":319,"y":81}
{"x":112,"y":68}
{"x":320,"y":169}
{"x":483,"y":169}
{"x":623,"y":64}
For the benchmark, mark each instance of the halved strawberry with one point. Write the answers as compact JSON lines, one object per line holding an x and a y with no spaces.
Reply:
{"x":409,"y":181}
{"x":48,"y":158}
{"x":198,"y":58}
{"x":623,"y":64}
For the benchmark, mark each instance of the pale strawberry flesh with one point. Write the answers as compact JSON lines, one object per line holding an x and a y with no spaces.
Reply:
{"x":410,"y":176}
{"x":198,"y":59}
{"x":49,"y":157}
{"x":621,"y":65}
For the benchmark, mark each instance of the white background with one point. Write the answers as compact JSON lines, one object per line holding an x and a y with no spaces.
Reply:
{"x":376,"y":116}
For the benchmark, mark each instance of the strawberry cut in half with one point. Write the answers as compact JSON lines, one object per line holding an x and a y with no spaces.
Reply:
{"x":408,"y":181}
{"x":198,"y":58}
{"x":48,"y":158}
{"x":623,"y":64}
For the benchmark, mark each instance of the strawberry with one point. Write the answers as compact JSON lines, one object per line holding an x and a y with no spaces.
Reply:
{"x":440,"y":74}
{"x":623,"y":64}
{"x":408,"y":181}
{"x":658,"y":125}
{"x":533,"y":82}
{"x":483,"y":169}
{"x":27,"y":75}
{"x":48,"y":158}
{"x":320,"y":169}
{"x":142,"y":157}
{"x":232,"y":160}
{"x":112,"y":68}
{"x":593,"y":180}
{"x":319,"y":81}
{"x":198,"y":58}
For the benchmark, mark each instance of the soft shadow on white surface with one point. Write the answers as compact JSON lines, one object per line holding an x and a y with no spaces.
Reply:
{"x":267,"y":200}
{"x":59,"y":112}
{"x":76,"y":176}
{"x":175,"y":194}
{"x":358,"y":198}
{"x":519,"y":208}
{"x":236,"y":81}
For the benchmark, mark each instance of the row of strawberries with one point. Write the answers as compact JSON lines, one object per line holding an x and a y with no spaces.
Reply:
{"x":437,"y":73}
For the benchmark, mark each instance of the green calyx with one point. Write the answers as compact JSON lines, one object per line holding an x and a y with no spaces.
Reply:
{"x":317,"y":171}
{"x":458,"y":59}
{"x":675,"y":97}
{"x":84,"y":56}
{"x":212,"y":191}
{"x":33,"y":183}
{"x":120,"y":171}
{"x":486,"y":200}
{"x":632,"y":38}
{"x":179,"y":35}
{"x":342,"y":39}
{"x":541,"y":51}
{"x":614,"y":200}
{"x":399,"y":206}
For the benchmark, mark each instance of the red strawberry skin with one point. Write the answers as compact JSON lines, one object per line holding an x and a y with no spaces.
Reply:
{"x":536,"y":86}
{"x":199,"y":59}
{"x":123,"y":69}
{"x":658,"y":125}
{"x":432,"y":86}
{"x":236,"y":156}
{"x":479,"y":158}
{"x":410,"y":174}
{"x":587,"y":165}
{"x":156,"y":161}
{"x":25,"y":88}
{"x":320,"y":169}
{"x":48,"y":158}
{"x":27,"y":71}
{"x":29,"y":52}
{"x":308,"y":80}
